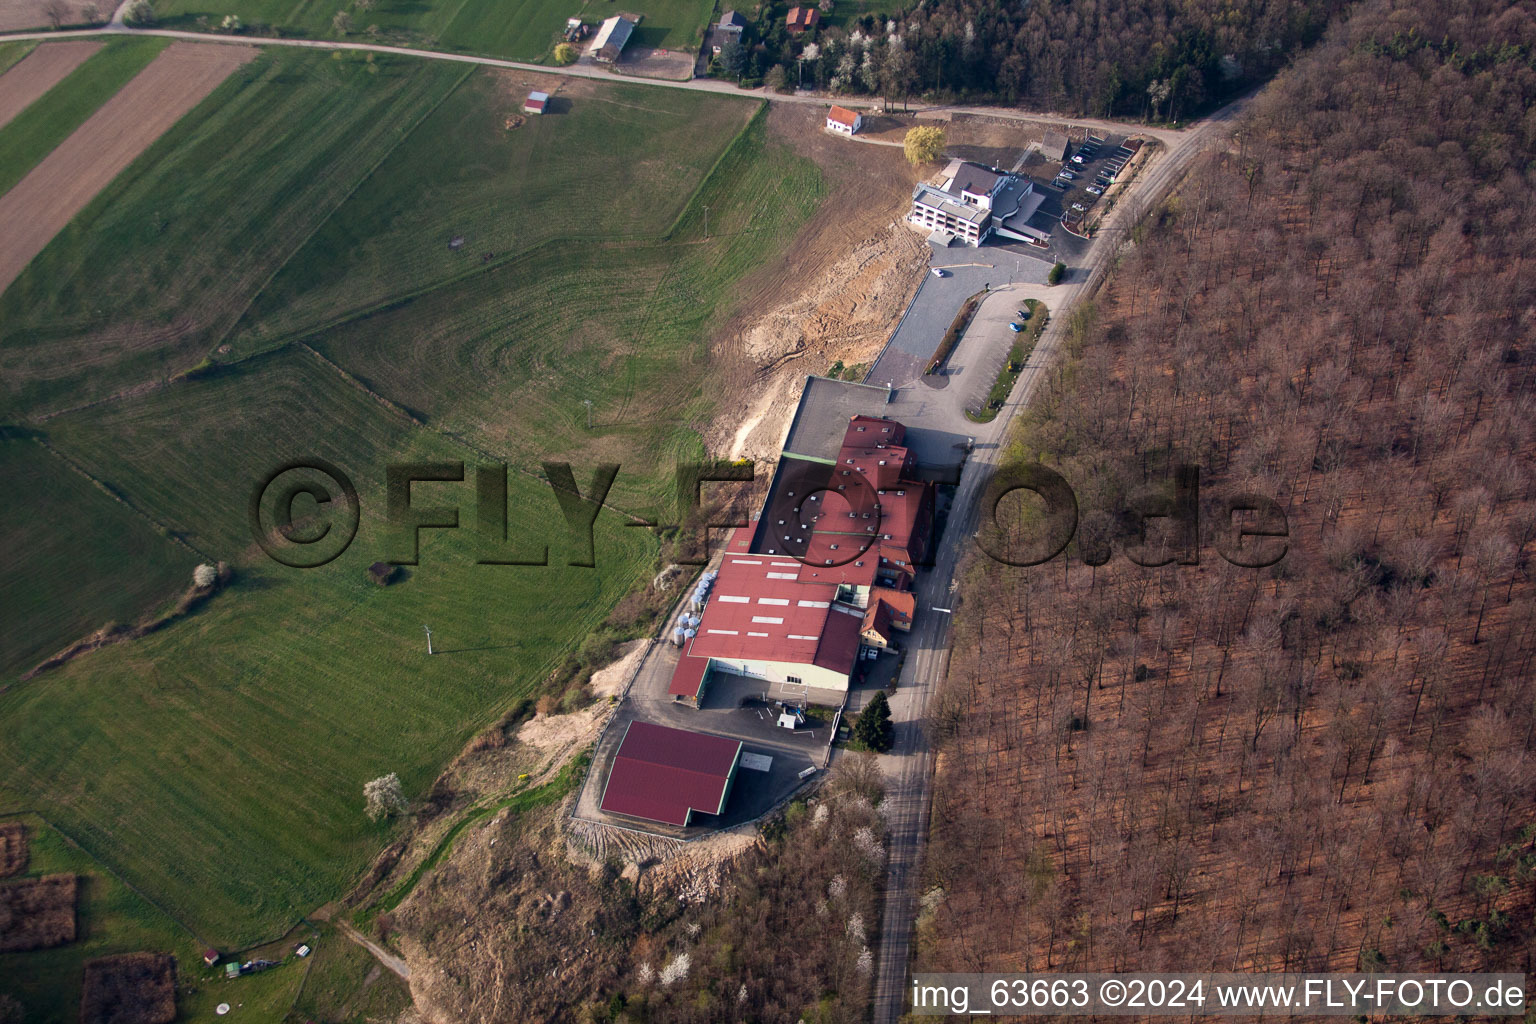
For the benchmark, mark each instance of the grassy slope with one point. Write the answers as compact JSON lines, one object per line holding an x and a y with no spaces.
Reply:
{"x":219,"y":763}
{"x":34,"y":132}
{"x":207,"y":213}
{"x":522,"y":30}
{"x":619,"y":163}
{"x":111,"y":918}
{"x":43,"y":616}
{"x":509,"y":355}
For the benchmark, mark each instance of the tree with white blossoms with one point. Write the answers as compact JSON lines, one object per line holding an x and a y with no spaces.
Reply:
{"x":856,"y":926}
{"x":646,"y":974}
{"x":383,"y":797}
{"x":204,"y":575}
{"x":866,"y":961}
{"x":811,"y":52}
{"x":677,"y":970}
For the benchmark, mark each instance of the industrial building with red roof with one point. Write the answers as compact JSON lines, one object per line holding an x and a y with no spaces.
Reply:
{"x":800,"y":619}
{"x":668,"y":775}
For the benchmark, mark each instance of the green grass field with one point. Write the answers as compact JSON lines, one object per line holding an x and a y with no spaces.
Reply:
{"x":33,"y":133}
{"x":523,"y":30}
{"x":157,"y":268}
{"x":254,"y":724}
{"x":96,"y":530}
{"x":218,"y":764}
{"x":609,"y":164}
{"x":11,"y":53}
{"x":111,"y":918}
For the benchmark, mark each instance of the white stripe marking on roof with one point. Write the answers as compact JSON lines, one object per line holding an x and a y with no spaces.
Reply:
{"x":773,"y":600}
{"x":733,"y":599}
{"x":750,"y":633}
{"x":802,"y":636}
{"x":722,"y":632}
{"x":815,"y":604}
{"x":782,"y":575}
{"x":768,"y":620}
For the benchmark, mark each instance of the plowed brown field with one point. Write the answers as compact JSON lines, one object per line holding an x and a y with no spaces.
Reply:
{"x":69,"y":177}
{"x":41,"y":70}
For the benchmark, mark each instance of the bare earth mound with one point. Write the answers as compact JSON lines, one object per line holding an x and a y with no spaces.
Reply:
{"x":39,"y":71}
{"x":69,"y":177}
{"x":134,"y":988}
{"x":37,"y":913}
{"x":13,"y":848}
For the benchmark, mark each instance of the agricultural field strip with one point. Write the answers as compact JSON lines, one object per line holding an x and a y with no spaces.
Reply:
{"x":38,"y":207}
{"x":39,"y":71}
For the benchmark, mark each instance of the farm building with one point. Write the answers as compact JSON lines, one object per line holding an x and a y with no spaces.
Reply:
{"x":612,"y":36}
{"x":668,"y":775}
{"x":536,"y":103}
{"x":730,"y":21}
{"x":844,"y":121}
{"x":801,"y":19}
{"x":1055,"y":146}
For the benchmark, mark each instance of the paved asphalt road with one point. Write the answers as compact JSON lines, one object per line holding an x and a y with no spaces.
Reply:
{"x":909,"y":766}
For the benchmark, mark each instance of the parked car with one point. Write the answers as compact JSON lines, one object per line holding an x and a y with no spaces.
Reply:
{"x":1079,"y":207}
{"x":1023,"y":314}
{"x":940,"y":272}
{"x":1094,"y":190}
{"x":1015,"y":328}
{"x":1077,"y":158}
{"x":1063,"y":184}
{"x":1069,"y":175}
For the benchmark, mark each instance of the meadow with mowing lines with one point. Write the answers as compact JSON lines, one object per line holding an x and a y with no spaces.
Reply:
{"x":511,"y":354}
{"x":148,"y":278}
{"x":93,"y":531}
{"x":48,"y":121}
{"x":111,"y":918}
{"x":611,"y":163}
{"x":219,"y":763}
{"x":524,"y":30}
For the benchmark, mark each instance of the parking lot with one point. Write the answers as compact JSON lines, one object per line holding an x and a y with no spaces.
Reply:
{"x":1089,"y":171}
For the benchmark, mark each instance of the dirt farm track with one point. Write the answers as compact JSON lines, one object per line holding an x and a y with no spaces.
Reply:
{"x":109,"y":140}
{"x":40,"y":71}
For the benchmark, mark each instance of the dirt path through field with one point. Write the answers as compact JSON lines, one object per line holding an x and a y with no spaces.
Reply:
{"x":110,"y":139}
{"x":39,"y":71}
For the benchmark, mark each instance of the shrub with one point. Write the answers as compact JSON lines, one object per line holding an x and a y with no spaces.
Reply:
{"x":924,"y":144}
{"x":139,"y":14}
{"x":1057,"y":272}
{"x":565,"y":54}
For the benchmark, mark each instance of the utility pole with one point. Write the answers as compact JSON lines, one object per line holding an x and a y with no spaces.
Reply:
{"x":706,"y":222}
{"x":588,"y":403}
{"x":429,"y":638}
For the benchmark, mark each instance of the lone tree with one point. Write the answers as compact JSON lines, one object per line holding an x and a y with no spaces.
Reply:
{"x":204,"y":575}
{"x":924,"y":144}
{"x":734,"y":58}
{"x":565,"y":54}
{"x":342,"y":23}
{"x":139,"y":14}
{"x":873,"y":730}
{"x":383,"y":797}
{"x":1054,"y":277}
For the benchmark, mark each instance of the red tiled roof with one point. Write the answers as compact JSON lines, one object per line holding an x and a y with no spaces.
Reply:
{"x":877,"y":617}
{"x":902,"y":604}
{"x":843,"y":116}
{"x":870,"y":430}
{"x":664,"y":774}
{"x":802,"y":17}
{"x":839,"y":647}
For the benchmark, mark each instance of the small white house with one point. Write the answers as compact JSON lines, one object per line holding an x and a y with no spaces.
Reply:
{"x":844,"y":121}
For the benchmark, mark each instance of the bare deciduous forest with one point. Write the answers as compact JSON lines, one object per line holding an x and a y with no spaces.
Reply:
{"x":1328,"y":763}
